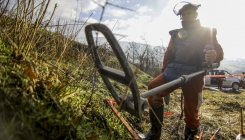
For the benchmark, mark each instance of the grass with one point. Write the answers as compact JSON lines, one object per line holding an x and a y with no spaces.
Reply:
{"x":50,"y":89}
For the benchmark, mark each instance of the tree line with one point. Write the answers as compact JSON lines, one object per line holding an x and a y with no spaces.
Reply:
{"x":146,"y":57}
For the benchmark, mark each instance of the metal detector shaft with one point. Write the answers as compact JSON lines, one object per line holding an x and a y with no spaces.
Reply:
{"x":180,"y":80}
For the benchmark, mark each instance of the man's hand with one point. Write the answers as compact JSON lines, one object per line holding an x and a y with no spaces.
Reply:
{"x":210,"y":55}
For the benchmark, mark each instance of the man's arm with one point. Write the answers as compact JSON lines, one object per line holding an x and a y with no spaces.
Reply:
{"x":219,"y":51}
{"x":217,"y":54}
{"x":167,"y":54}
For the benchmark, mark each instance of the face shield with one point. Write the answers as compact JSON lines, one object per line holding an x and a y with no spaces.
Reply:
{"x":179,"y":7}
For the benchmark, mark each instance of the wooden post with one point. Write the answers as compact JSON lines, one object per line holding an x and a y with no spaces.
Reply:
{"x":241,"y":121}
{"x":230,"y":123}
{"x":201,"y":133}
{"x":119,"y":116}
{"x":196,"y":137}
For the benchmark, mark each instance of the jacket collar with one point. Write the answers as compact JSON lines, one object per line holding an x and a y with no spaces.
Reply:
{"x":191,"y":25}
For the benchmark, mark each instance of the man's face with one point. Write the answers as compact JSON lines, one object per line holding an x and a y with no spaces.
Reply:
{"x":188,"y":15}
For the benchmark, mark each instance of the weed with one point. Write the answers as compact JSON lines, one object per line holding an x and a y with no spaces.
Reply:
{"x":50,"y":88}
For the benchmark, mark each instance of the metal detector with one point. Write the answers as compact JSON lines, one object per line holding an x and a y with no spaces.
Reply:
{"x":135,"y":102}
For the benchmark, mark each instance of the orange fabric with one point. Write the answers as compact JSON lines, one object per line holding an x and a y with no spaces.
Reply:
{"x":167,"y":54}
{"x":157,"y":98}
{"x":190,"y":92}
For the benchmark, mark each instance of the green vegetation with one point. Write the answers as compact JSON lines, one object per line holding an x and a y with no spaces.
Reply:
{"x":50,"y":89}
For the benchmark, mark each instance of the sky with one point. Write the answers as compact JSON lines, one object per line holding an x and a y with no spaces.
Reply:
{"x":151,"y":20}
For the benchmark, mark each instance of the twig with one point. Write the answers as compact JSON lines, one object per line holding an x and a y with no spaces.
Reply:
{"x":114,"y":26}
{"x":4,"y":9}
{"x":230,"y":122}
{"x":87,"y":19}
{"x":97,"y":3}
{"x":2,"y":31}
{"x":241,"y":120}
{"x":93,"y":88}
{"x":52,"y":97}
{"x":67,"y":24}
{"x":119,"y":6}
{"x":108,"y":3}
{"x":43,"y":85}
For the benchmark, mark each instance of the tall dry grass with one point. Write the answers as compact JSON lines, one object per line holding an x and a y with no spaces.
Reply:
{"x":50,"y":88}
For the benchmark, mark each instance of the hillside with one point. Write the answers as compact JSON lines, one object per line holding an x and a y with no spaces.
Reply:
{"x":234,"y":66}
{"x":50,"y":88}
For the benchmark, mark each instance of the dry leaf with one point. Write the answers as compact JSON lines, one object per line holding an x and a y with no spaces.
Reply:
{"x":49,"y":84}
{"x":31,"y":89}
{"x":74,"y":120}
{"x":92,"y":136}
{"x":29,"y":72}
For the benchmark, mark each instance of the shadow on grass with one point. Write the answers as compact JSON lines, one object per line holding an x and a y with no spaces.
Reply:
{"x":224,"y":90}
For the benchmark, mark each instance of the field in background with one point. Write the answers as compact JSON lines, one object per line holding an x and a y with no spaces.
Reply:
{"x":50,"y":88}
{"x":233,"y":66}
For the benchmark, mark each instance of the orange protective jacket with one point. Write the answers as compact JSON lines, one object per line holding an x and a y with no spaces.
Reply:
{"x":191,"y":91}
{"x":167,"y":55}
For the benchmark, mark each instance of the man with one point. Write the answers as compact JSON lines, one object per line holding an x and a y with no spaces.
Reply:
{"x":220,"y":80}
{"x":185,"y":54}
{"x":243,"y":80}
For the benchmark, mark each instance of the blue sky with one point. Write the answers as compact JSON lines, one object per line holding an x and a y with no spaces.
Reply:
{"x":153,"y":19}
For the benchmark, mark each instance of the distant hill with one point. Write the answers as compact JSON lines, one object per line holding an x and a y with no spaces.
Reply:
{"x":125,"y":45}
{"x":234,"y":66}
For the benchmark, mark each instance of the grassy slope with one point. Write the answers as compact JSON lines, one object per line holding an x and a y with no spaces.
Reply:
{"x":33,"y":116}
{"x":49,"y":97}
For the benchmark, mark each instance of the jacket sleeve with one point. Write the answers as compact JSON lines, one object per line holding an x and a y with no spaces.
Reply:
{"x":217,"y":48}
{"x":167,"y":54}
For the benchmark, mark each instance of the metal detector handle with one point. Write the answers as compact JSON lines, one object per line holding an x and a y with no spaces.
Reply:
{"x":209,"y":65}
{"x":209,"y":46}
{"x":215,"y":134}
{"x":180,"y":80}
{"x":201,"y":134}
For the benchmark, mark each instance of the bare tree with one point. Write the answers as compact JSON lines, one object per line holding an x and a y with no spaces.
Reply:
{"x":146,"y":57}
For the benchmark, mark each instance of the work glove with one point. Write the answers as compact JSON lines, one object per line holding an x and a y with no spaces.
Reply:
{"x":210,"y":55}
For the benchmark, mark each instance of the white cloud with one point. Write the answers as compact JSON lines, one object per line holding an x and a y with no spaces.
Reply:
{"x":72,"y":8}
{"x":90,"y":20}
{"x":143,"y":9}
{"x":156,"y":30}
{"x":115,"y":12}
{"x":226,"y":16}
{"x":137,"y":5}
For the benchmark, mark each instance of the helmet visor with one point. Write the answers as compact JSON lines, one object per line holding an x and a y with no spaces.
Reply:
{"x":179,"y":7}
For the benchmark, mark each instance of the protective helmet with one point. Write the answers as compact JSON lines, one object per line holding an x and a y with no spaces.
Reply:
{"x":183,"y":5}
